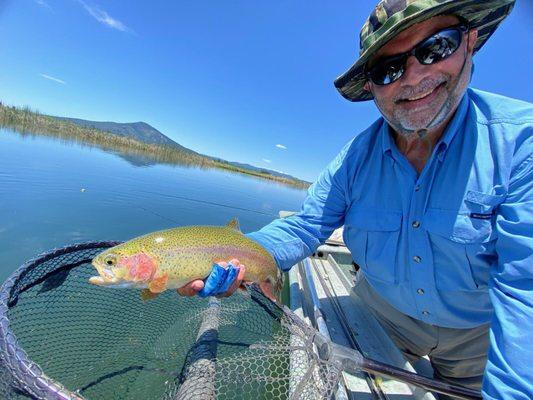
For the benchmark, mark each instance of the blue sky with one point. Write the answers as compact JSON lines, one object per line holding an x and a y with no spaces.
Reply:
{"x":247,"y":81}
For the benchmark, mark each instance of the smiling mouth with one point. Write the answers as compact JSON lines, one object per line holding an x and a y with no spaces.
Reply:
{"x":421,"y":96}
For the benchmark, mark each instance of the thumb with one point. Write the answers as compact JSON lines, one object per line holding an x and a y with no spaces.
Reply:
{"x":191,"y":288}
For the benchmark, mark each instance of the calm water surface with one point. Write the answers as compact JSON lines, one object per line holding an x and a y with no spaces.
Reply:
{"x":54,"y":193}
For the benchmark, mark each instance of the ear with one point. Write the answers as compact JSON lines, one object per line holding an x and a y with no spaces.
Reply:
{"x":472,"y":39}
{"x":367,"y":86}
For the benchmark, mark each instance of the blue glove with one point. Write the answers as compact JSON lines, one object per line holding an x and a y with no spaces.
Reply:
{"x":219,"y":280}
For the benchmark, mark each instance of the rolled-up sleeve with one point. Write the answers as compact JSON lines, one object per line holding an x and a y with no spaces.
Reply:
{"x":509,"y":371}
{"x":291,"y":239}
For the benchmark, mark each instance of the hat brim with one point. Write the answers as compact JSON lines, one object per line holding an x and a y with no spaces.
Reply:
{"x":486,"y":16}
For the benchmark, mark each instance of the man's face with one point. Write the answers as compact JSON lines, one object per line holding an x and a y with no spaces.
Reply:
{"x":426,"y":95}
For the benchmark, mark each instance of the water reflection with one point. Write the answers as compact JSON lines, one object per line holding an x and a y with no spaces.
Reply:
{"x":54,"y":193}
{"x":28,"y":122}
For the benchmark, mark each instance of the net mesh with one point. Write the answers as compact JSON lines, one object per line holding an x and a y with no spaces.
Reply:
{"x":61,"y":337}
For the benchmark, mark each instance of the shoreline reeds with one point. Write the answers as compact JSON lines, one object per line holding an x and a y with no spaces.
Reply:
{"x":27,"y":121}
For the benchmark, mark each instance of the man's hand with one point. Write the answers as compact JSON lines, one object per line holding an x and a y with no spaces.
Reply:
{"x":223,"y":280}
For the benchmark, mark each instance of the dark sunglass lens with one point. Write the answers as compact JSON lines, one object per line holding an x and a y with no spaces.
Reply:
{"x":438,"y":47}
{"x":387,"y":72}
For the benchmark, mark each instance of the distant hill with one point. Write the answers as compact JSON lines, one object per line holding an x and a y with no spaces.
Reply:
{"x":137,"y":130}
{"x":259,"y":169}
{"x":146,"y":133}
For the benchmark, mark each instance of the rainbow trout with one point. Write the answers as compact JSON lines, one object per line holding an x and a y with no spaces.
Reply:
{"x":171,"y":258}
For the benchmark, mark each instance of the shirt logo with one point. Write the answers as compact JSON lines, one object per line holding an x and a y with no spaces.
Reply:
{"x":480,"y":216}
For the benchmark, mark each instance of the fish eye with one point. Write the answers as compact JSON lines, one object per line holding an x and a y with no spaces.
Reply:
{"x":110,"y":259}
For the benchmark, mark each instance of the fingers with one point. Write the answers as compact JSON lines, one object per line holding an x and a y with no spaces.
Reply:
{"x":191,"y":289}
{"x":225,"y":278}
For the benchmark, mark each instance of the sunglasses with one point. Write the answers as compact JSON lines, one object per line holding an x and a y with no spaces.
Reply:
{"x":429,"y":51}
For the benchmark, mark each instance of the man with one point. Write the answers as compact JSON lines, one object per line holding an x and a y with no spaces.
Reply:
{"x":436,"y":198}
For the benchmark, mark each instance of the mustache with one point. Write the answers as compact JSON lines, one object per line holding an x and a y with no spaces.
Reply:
{"x":426,"y":85}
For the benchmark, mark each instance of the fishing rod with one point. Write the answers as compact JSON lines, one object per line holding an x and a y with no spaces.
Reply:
{"x":211,"y":203}
{"x":353,"y":361}
{"x":375,"y":389}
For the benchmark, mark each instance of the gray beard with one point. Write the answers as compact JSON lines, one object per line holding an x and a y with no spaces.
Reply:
{"x":442,"y":114}
{"x":456,"y":93}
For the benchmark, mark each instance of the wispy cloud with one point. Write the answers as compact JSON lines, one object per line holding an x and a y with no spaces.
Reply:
{"x":51,"y":78}
{"x":267,"y":161}
{"x":104,"y":18}
{"x":43,"y":3}
{"x":280,"y":146}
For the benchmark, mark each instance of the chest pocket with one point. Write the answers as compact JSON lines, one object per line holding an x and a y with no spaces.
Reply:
{"x":372,"y":236}
{"x":473,"y":223}
{"x":463,"y":242}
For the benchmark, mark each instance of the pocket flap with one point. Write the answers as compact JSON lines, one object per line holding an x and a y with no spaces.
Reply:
{"x":460,"y":228}
{"x":484,"y":198}
{"x":375,"y":220}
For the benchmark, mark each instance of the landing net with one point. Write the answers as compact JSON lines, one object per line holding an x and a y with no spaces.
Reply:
{"x":63,"y":338}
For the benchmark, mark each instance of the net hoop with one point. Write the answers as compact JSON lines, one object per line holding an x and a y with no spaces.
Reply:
{"x":27,"y":377}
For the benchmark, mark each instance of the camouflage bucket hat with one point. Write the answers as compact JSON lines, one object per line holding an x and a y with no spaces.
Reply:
{"x":390,"y":17}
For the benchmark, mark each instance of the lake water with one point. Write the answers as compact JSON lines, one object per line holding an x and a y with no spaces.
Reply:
{"x":108,"y":344}
{"x":53,"y":194}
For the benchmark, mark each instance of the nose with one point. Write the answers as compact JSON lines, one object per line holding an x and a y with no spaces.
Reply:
{"x":414,"y":71}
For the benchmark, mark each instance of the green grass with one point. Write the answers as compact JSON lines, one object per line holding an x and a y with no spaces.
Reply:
{"x":30,"y":122}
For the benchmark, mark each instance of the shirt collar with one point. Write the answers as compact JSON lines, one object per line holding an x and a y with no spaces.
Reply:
{"x":453,"y":126}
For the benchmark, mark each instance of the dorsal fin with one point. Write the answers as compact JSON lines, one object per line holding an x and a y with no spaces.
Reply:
{"x":234,"y":224}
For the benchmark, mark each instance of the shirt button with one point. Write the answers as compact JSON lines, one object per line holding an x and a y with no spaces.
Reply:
{"x":420,"y":291}
{"x":417,"y":188}
{"x":415,"y":224}
{"x":417,"y":259}
{"x":425,"y":312}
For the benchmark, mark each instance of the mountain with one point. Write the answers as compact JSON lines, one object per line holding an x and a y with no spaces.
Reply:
{"x":144,"y":132}
{"x":140,"y":131}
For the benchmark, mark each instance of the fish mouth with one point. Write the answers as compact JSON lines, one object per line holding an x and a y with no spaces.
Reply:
{"x":105,"y":276}
{"x":101,"y":281}
{"x":116,"y":283}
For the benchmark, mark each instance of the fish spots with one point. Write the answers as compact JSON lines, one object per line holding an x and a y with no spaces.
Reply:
{"x":140,"y":267}
{"x":169,"y":259}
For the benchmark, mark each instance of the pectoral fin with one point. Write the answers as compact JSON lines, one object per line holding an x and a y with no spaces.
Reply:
{"x":158,"y":283}
{"x":146,"y":294}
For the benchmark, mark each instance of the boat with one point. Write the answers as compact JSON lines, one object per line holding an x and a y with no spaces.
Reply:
{"x":321,"y":293}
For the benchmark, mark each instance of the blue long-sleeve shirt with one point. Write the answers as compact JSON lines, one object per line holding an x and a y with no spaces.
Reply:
{"x":461,"y":230}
